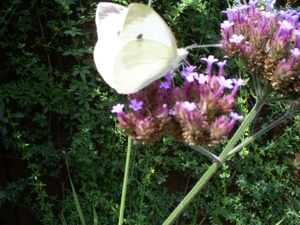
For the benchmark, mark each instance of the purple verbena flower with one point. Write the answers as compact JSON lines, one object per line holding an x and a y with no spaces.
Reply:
{"x":295,"y":52}
{"x":285,"y":28}
{"x":226,"y":25}
{"x":202,"y":80}
{"x":252,"y":6}
{"x":135,"y":105}
{"x":189,"y":106}
{"x":237,"y":39}
{"x":210,"y":60}
{"x":266,"y":16}
{"x":230,"y":14}
{"x":189,"y":74}
{"x":223,"y":84}
{"x":117,"y":108}
{"x":193,"y":113}
{"x":262,"y":41}
{"x":168,"y":77}
{"x":269,"y":5}
{"x":297,"y":38}
{"x":234,"y":117}
{"x":165,"y":85}
{"x":237,"y":84}
{"x":221,"y":67}
{"x":239,"y":10}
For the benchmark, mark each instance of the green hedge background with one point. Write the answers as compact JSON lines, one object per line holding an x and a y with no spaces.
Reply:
{"x":55,"y":107}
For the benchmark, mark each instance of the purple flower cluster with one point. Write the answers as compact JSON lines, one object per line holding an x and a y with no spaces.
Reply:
{"x":196,"y":113}
{"x":266,"y":42}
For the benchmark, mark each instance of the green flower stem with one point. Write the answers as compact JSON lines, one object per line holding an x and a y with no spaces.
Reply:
{"x":125,"y":182}
{"x":214,"y":167}
{"x":189,"y":197}
{"x":205,"y":152}
{"x":248,"y":119}
{"x":262,"y":131}
{"x":281,"y":99}
{"x":242,"y":128}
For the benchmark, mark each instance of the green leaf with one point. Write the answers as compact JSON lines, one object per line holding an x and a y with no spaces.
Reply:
{"x":3,"y":130}
{"x":2,"y":107}
{"x":95,"y":216}
{"x":78,"y":208}
{"x":279,"y":222}
{"x":67,"y":53}
{"x":2,"y":194}
{"x":17,"y":115}
{"x":4,"y":119}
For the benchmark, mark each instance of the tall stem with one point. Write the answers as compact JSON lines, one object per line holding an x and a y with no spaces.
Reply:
{"x":125,"y":182}
{"x":214,"y":167}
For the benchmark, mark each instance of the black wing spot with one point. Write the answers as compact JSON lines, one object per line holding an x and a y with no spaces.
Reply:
{"x":118,"y":33}
{"x":140,"y":36}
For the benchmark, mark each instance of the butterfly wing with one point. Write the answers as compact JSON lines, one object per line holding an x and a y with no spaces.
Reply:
{"x":109,"y":21}
{"x":148,"y":50}
{"x":144,"y":23}
{"x":139,"y":63}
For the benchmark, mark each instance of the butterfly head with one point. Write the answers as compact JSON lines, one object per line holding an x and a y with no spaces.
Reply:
{"x":181,"y":55}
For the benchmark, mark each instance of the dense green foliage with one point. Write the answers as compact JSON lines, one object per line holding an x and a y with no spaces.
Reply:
{"x":55,"y":107}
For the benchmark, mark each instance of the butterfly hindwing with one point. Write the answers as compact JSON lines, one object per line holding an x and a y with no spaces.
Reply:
{"x":137,"y":65}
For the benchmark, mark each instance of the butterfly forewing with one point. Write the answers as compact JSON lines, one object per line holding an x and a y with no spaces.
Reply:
{"x":109,"y":21}
{"x":108,"y":13}
{"x":142,"y":22}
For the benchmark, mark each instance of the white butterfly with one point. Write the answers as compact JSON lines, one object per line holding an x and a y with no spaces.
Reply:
{"x":135,"y":46}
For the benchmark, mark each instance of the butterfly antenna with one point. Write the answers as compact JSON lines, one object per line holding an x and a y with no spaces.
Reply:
{"x":203,"y":46}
